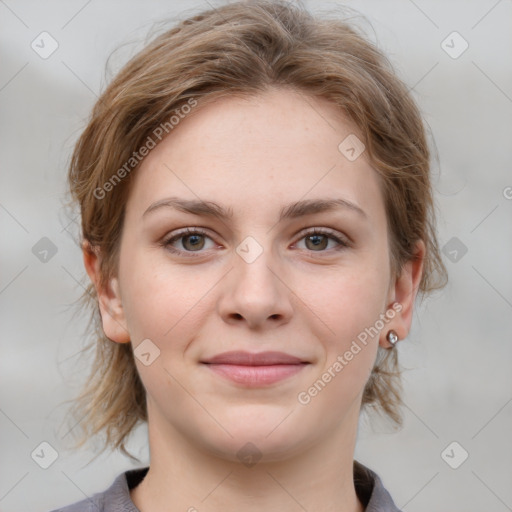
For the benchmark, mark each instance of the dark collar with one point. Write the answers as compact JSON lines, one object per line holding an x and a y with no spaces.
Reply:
{"x":368,"y":485}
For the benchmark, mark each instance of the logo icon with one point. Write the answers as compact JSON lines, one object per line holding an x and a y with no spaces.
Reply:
{"x":249,"y":455}
{"x":44,"y":250}
{"x":249,"y":249}
{"x":454,"y":455}
{"x":146,"y":352}
{"x":44,"y":45}
{"x":454,"y":45}
{"x":351,"y":147}
{"x":454,"y":249}
{"x":44,"y":455}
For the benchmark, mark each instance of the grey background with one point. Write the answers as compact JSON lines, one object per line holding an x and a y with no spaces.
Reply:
{"x":458,"y":355}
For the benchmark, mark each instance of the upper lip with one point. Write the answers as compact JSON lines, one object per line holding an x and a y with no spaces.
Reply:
{"x":254,"y":359}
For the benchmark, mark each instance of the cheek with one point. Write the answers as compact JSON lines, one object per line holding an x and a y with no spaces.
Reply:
{"x":349,"y":309}
{"x":160,"y":299}
{"x":148,"y":302}
{"x":351,"y":300}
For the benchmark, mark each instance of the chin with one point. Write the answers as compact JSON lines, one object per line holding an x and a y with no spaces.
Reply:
{"x":250,"y":451}
{"x":260,"y":439}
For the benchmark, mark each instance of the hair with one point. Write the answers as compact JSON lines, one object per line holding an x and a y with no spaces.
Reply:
{"x":244,"y":48}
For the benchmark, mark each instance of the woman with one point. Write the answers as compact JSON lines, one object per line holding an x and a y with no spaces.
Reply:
{"x":257,"y":221}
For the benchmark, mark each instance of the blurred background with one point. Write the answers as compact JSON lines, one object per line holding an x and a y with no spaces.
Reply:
{"x":455,"y":449}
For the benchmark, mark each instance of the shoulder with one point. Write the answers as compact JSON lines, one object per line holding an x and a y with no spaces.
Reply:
{"x":370,"y":490}
{"x":115,"y":498}
{"x":95,"y":503}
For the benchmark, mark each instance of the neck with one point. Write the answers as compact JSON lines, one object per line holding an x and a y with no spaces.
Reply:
{"x":186,"y":477}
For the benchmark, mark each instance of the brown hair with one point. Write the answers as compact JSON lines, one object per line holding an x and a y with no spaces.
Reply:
{"x":244,"y":48}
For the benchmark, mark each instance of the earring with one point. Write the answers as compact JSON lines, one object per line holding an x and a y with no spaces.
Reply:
{"x":392,"y":337}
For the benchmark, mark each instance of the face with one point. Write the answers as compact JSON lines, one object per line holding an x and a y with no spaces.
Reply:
{"x":249,"y":230}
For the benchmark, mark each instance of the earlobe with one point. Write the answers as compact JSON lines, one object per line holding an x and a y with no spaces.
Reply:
{"x":109,"y":298}
{"x":404,"y":293}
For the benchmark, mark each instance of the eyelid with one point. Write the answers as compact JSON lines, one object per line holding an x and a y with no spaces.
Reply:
{"x":342,"y":238}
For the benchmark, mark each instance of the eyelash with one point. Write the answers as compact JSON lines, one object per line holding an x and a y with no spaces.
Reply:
{"x":167,"y":242}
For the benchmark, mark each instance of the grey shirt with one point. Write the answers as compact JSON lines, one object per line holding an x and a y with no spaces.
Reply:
{"x":116,"y":498}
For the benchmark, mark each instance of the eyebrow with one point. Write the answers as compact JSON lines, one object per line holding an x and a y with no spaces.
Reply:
{"x":291,"y":211}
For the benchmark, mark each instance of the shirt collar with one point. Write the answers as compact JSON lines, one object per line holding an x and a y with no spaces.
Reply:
{"x":368,"y":486}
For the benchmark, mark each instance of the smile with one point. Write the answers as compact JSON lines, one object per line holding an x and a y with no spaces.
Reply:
{"x":255,"y":369}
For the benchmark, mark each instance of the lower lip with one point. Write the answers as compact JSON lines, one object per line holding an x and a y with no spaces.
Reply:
{"x":256,"y":375}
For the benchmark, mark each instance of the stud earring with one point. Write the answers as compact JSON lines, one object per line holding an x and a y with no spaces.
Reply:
{"x":392,"y":337}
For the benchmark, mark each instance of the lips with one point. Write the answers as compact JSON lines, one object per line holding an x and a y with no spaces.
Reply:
{"x":255,"y":370}
{"x":240,"y":358}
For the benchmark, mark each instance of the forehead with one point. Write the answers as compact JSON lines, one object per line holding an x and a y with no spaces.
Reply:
{"x":276,"y":147}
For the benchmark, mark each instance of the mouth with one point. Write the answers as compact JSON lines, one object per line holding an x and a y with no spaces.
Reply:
{"x":255,"y":370}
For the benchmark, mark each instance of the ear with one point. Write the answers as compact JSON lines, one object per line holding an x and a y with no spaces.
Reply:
{"x":403,"y":291}
{"x":109,"y":298}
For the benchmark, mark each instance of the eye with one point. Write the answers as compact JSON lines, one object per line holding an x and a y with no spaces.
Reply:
{"x":191,"y":240}
{"x":317,"y":240}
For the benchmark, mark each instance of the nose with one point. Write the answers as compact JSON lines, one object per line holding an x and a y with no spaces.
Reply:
{"x":256,"y":293}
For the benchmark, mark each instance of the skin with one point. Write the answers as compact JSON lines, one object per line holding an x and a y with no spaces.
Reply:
{"x":254,"y":156}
